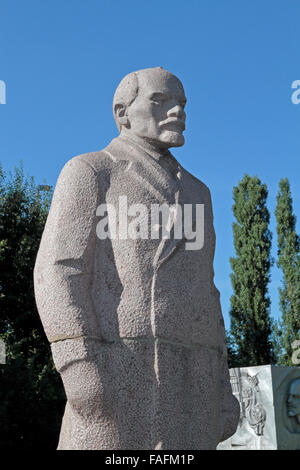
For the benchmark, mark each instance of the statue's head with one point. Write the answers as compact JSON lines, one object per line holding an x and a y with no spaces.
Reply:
{"x":150,"y":104}
{"x":293,"y":401}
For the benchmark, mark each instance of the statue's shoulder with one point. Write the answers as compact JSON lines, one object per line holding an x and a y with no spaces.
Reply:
{"x":198,"y":183}
{"x":99,"y":160}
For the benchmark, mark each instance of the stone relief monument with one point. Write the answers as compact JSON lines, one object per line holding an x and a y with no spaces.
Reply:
{"x":246,"y":388}
{"x":269,"y":399}
{"x":293,"y":403}
{"x":124,"y":285}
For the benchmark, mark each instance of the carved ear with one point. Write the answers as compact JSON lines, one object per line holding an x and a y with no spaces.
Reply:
{"x":121,"y":114}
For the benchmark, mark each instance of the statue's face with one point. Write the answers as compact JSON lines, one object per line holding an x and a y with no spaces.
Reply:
{"x":157,"y":114}
{"x":293,"y":401}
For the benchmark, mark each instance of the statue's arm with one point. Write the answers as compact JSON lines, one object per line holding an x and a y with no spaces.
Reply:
{"x":62,"y":278}
{"x":230,"y":405}
{"x":230,"y":410}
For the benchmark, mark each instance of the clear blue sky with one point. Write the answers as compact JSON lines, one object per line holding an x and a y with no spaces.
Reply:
{"x":62,"y":60}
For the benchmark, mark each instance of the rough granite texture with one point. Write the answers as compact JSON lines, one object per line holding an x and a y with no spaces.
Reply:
{"x":135,"y":326}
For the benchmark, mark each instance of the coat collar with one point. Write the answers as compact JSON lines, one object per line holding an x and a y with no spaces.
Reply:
{"x":145,"y":147}
{"x":138,"y":163}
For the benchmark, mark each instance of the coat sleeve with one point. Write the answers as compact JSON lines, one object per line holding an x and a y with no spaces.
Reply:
{"x":230,"y":408}
{"x":64,"y":266}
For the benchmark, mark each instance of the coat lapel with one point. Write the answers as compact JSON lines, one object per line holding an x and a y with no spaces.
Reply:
{"x":151,"y":175}
{"x":144,"y":168}
{"x":187,"y":194}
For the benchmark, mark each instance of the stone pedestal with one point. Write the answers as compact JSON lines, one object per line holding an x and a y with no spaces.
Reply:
{"x":269,"y":398}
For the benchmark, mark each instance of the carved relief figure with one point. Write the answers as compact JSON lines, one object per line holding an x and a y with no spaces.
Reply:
{"x":252,"y":413}
{"x":293,"y":400}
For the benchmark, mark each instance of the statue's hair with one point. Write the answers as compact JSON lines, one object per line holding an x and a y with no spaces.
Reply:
{"x":128,"y":89}
{"x":126,"y":93}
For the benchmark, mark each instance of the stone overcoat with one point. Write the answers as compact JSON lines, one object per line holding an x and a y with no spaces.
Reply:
{"x":135,"y":325}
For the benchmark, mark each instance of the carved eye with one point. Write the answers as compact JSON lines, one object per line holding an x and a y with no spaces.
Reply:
{"x":158,"y":98}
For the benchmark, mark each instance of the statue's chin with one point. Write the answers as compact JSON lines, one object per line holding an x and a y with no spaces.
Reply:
{"x":172,"y":138}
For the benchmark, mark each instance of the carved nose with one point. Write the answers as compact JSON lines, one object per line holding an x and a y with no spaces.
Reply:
{"x":177,"y":111}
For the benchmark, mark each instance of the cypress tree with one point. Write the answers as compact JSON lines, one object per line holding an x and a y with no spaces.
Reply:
{"x":289,"y":262}
{"x":251,"y":324}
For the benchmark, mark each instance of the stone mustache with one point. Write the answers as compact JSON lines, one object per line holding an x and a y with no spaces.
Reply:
{"x":135,"y":324}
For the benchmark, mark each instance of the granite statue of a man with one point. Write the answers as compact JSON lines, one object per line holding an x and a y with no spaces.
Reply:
{"x":134,"y":322}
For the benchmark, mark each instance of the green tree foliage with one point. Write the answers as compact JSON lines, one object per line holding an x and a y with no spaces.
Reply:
{"x":31,"y":392}
{"x":251,"y":325}
{"x":288,"y":329}
{"x":232,"y":353}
